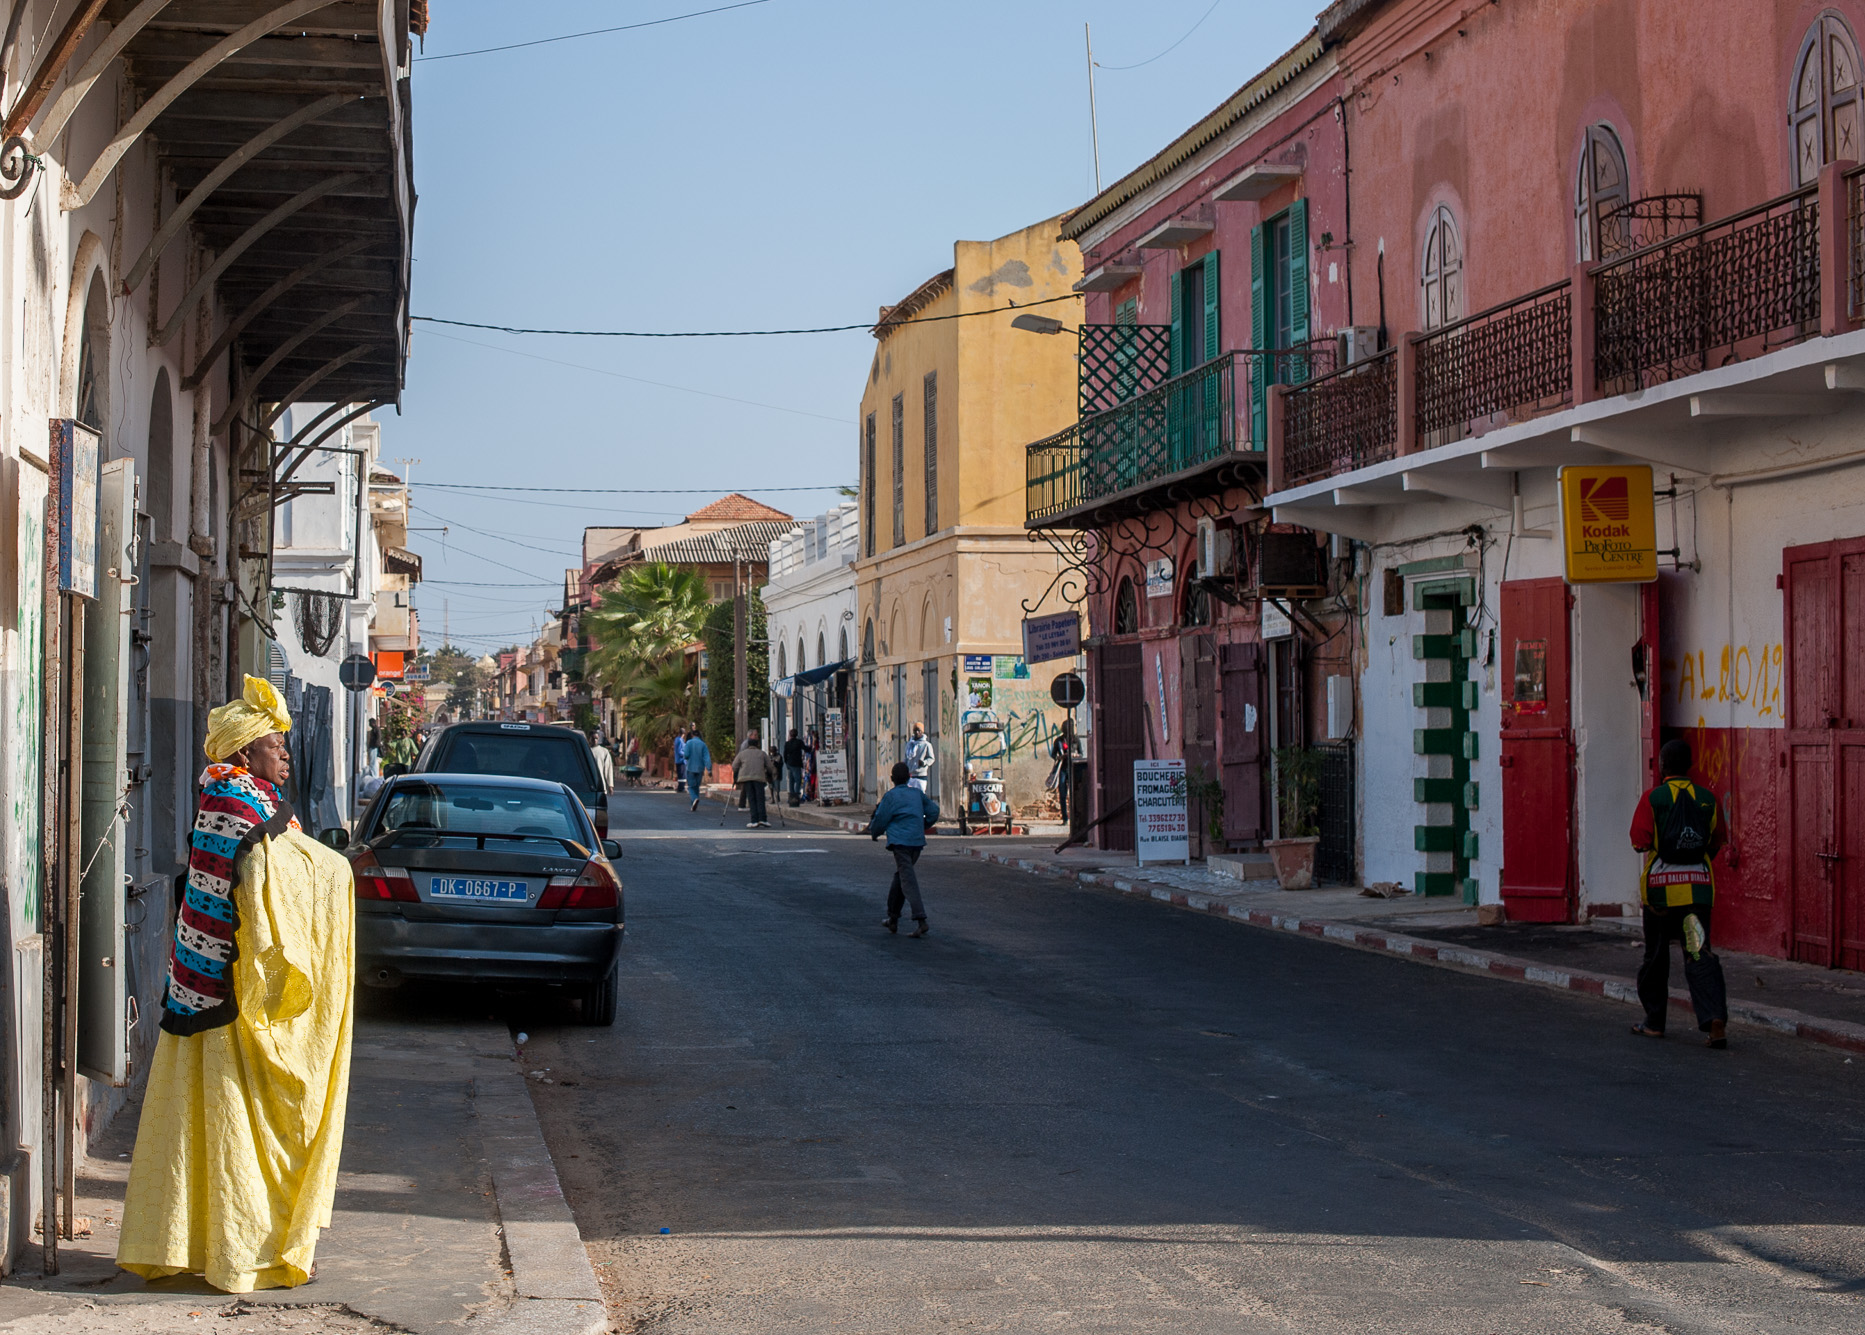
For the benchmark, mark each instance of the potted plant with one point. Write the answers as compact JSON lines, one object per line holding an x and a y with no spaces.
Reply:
{"x":1298,"y":801}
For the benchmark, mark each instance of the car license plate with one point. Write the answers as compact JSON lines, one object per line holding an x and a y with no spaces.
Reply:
{"x":477,"y":888}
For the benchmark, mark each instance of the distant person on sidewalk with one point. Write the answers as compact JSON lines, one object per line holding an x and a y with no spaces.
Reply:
{"x":679,"y":759}
{"x":795,"y":758}
{"x":752,"y":771}
{"x":920,"y":757}
{"x":1679,"y":828}
{"x":605,"y":765}
{"x":698,"y":761}
{"x":904,"y":816}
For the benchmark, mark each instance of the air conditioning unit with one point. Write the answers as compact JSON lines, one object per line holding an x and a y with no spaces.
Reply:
{"x":1340,"y":707}
{"x":1358,"y":342}
{"x":1291,"y":565}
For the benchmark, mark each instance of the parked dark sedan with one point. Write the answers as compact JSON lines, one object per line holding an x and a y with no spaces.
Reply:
{"x":487,"y":878}
{"x":531,"y":750}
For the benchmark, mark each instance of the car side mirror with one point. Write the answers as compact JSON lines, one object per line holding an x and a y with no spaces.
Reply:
{"x":611,"y":849}
{"x":337,"y":837}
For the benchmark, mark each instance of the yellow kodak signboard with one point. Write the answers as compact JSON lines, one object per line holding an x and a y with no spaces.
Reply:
{"x":1609,"y":525}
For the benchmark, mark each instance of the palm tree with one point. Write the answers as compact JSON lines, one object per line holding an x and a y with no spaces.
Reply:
{"x":658,"y":702}
{"x":650,"y":613}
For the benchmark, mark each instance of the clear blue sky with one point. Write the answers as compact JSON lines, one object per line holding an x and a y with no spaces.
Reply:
{"x":797,"y":162}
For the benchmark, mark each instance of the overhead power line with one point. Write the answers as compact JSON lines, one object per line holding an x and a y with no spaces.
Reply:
{"x":616,"y":491}
{"x":594,"y":32}
{"x":1170,"y":49}
{"x":744,"y":333}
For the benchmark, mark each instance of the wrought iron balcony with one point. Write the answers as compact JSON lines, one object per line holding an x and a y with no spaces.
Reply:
{"x":1342,"y":421}
{"x":1178,"y":427}
{"x":1500,"y":365}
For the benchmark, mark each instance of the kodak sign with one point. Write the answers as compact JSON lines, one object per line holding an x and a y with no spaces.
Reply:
{"x":1609,"y":526}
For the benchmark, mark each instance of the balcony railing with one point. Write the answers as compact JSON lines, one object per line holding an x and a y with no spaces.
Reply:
{"x":1733,"y":288}
{"x":1342,"y":421}
{"x":1510,"y":361}
{"x":1638,"y":223}
{"x":1180,"y":423}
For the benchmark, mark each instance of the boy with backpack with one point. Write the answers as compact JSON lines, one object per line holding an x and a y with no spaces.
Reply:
{"x":1679,"y":828}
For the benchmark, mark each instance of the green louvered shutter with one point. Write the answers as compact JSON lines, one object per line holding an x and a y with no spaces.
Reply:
{"x":1259,"y":425}
{"x":1298,"y":272}
{"x":1209,"y":438}
{"x":1177,"y":352}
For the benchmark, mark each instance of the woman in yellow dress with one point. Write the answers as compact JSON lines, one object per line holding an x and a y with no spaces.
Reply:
{"x":242,"y":1122}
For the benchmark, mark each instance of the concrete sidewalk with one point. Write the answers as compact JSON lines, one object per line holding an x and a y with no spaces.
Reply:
{"x":448,"y":1215}
{"x":1824,"y":1005}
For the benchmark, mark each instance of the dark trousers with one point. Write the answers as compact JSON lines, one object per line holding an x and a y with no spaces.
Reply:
{"x":906,"y":886}
{"x":753,"y":792}
{"x":794,"y":775}
{"x":1703,"y":972}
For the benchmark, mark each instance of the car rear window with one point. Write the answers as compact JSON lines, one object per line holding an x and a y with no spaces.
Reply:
{"x":530,"y":756}
{"x":441,"y":808}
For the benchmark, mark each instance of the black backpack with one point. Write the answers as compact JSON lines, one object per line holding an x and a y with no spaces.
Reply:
{"x":1684,"y":837}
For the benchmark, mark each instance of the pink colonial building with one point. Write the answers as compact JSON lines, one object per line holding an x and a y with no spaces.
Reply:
{"x":1213,"y":271}
{"x":1343,"y":337}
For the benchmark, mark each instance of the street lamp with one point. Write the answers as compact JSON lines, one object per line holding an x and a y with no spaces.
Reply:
{"x":1037,"y":324}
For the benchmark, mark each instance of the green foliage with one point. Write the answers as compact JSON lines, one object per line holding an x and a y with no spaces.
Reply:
{"x":1208,"y":793}
{"x":716,"y":726}
{"x":1298,"y":791}
{"x":659,"y":704}
{"x":648,"y":614}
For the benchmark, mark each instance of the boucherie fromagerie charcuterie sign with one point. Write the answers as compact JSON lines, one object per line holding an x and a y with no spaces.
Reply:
{"x":1609,"y":527}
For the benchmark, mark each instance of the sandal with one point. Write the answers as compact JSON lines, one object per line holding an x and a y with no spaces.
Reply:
{"x":1644,"y":1032}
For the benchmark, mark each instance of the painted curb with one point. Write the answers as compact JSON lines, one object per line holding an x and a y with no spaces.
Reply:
{"x":1833,"y":1033}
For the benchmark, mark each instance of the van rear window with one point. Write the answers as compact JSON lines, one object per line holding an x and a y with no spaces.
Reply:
{"x":533,"y":756}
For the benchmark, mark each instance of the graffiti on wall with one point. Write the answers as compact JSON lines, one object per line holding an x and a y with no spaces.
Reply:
{"x":24,"y":714}
{"x":1741,"y":676}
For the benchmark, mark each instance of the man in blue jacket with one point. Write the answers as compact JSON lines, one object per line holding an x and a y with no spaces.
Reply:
{"x":698,"y":764}
{"x":904,"y":816}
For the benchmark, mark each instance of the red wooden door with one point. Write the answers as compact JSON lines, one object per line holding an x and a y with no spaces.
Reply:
{"x":1122,"y":740}
{"x":1244,"y":724}
{"x":1537,"y":756}
{"x":1198,"y":697}
{"x":1824,"y":742}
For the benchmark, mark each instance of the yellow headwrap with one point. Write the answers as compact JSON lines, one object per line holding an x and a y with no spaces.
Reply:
{"x":237,"y":724}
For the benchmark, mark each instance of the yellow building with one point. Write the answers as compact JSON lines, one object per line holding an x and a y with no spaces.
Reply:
{"x":945,"y":563}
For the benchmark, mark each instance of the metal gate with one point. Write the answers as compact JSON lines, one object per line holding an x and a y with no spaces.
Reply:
{"x":1334,"y":855}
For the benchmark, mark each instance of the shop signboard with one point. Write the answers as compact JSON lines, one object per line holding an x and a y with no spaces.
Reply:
{"x":1609,"y":525}
{"x":1160,"y":829}
{"x":1051,"y":637}
{"x":978,"y":664}
{"x":833,"y":736}
{"x":1159,"y":577}
{"x":832,"y":775}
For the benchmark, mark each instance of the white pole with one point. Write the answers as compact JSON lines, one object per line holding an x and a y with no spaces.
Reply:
{"x":1094,"y":128}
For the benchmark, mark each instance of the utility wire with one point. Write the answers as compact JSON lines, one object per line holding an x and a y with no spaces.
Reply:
{"x":1170,"y":49}
{"x":613,"y":491}
{"x":595,"y":32}
{"x":640,"y":380}
{"x":498,"y":537}
{"x":748,"y":333}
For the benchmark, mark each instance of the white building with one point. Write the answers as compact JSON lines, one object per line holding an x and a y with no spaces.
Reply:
{"x":810,"y":609}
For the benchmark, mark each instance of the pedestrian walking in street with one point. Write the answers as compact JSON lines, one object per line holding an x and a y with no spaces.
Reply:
{"x":698,"y":761}
{"x":919,"y":757}
{"x":679,"y":759}
{"x":795,"y":758}
{"x":1065,"y":751}
{"x":605,"y":765}
{"x":753,"y":772}
{"x":904,"y":816}
{"x":236,"y":1155}
{"x":1679,"y":828}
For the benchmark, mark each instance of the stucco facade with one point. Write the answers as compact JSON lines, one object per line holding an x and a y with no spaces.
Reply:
{"x":945,"y":565}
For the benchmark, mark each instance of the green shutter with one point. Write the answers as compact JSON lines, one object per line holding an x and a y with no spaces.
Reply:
{"x":1211,"y":349}
{"x":1128,"y":312}
{"x":1178,"y":326}
{"x":1298,"y":272}
{"x":1259,"y":316}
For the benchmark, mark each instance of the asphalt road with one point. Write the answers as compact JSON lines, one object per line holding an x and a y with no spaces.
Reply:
{"x":1071,"y":1110}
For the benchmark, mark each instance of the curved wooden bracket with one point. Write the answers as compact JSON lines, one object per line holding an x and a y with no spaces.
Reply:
{"x":76,"y":197}
{"x":304,"y":451}
{"x":198,"y":196}
{"x":261,"y":303}
{"x":224,"y":260}
{"x":310,"y":382}
{"x":93,"y":69}
{"x":238,"y":402}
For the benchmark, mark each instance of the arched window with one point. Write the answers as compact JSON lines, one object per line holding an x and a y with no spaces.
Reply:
{"x":1442,"y":273}
{"x":94,"y":358}
{"x":1824,"y":108}
{"x":801,"y":661}
{"x":867,"y":642}
{"x":162,"y":460}
{"x":1195,"y":608}
{"x":1126,"y":608}
{"x":841,"y":653}
{"x":1600,"y":187}
{"x":781,"y":672}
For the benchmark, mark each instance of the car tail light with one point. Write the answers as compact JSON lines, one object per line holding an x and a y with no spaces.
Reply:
{"x":375,"y":881}
{"x":595,"y":888}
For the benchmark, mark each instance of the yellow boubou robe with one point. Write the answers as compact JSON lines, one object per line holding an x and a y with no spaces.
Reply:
{"x":236,"y":1156}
